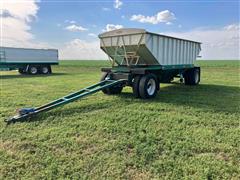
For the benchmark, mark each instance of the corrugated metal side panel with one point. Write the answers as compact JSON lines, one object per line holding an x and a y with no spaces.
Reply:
{"x":30,"y":55}
{"x":171,"y":51}
{"x":160,"y":48}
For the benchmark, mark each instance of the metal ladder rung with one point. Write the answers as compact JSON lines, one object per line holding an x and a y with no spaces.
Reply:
{"x":131,"y":53}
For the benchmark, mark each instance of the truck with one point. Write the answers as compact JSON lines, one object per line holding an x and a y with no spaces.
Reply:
{"x":28,"y":61}
{"x":139,"y":59}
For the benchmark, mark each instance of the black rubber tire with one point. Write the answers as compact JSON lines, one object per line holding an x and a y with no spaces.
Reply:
{"x":197,"y":75}
{"x":192,"y":76}
{"x":21,"y":71}
{"x":110,"y":90}
{"x":143,"y":86}
{"x":33,"y":70}
{"x":135,"y":86}
{"x":45,"y":69}
{"x":104,"y":75}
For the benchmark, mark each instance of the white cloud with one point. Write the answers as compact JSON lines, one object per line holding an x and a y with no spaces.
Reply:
{"x":78,"y":49}
{"x":163,"y":16}
{"x":16,"y":17}
{"x":220,"y":43}
{"x":5,"y":13}
{"x":92,"y":34}
{"x":72,"y":22}
{"x":232,"y":27}
{"x":168,"y":23}
{"x":110,"y":27}
{"x":75,"y":28}
{"x":117,"y":4}
{"x":106,"y":9}
{"x":24,"y":10}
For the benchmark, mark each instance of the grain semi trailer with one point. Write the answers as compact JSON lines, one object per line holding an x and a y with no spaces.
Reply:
{"x":140,"y":59}
{"x":28,"y":61}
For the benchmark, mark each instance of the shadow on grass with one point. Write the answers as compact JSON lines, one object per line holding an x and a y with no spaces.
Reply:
{"x":13,"y":76}
{"x":205,"y":96}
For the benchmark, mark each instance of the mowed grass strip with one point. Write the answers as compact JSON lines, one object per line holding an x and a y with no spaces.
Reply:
{"x":185,"y":132}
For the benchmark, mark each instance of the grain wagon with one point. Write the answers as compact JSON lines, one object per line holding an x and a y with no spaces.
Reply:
{"x":27,"y":60}
{"x":146,"y":59}
{"x":139,"y":59}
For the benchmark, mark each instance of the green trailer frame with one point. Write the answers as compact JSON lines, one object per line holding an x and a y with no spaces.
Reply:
{"x":118,"y":77}
{"x":164,"y":74}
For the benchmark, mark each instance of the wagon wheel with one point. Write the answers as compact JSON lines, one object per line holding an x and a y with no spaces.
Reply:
{"x":110,"y":90}
{"x":148,"y":86}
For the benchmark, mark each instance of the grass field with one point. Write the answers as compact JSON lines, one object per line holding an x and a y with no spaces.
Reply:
{"x":185,"y":132}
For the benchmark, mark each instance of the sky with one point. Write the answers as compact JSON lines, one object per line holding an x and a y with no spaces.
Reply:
{"x":73,"y":26}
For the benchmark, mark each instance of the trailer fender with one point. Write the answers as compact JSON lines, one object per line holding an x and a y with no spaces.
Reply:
{"x":106,"y":69}
{"x":139,"y":71}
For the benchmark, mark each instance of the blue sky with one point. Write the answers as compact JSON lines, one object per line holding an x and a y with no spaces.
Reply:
{"x":188,"y":16}
{"x":74,"y":24}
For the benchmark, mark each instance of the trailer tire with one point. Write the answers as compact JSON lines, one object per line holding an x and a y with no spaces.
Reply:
{"x":192,"y":76}
{"x":135,"y":86}
{"x":104,"y":76}
{"x":45,"y":69}
{"x":33,"y":70}
{"x":110,"y":90}
{"x":21,"y":71}
{"x":148,"y":86}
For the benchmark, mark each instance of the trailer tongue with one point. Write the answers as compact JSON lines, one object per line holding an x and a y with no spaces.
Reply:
{"x":26,"y":113}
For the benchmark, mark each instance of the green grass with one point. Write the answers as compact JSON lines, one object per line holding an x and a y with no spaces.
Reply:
{"x":185,"y":132}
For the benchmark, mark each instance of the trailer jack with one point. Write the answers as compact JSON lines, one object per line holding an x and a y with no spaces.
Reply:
{"x":27,"y":113}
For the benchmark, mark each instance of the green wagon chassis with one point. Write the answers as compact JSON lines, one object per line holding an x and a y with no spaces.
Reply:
{"x":143,"y":79}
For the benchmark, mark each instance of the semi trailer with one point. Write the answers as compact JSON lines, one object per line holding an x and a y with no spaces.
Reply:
{"x":139,"y":59}
{"x":28,"y":61}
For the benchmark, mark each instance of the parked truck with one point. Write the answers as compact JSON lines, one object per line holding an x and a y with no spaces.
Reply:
{"x":28,"y":61}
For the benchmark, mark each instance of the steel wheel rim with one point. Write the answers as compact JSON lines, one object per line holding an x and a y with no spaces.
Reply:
{"x":33,"y":70}
{"x":151,"y":87}
{"x":107,"y":77}
{"x":45,"y":70}
{"x":196,"y":77}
